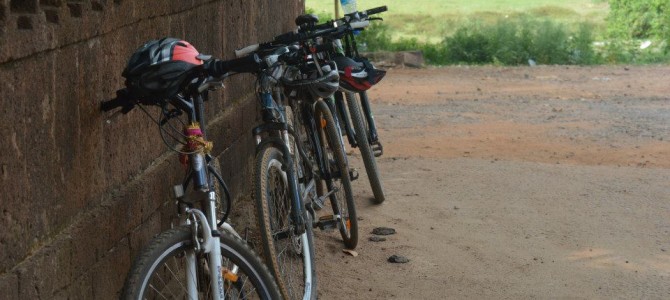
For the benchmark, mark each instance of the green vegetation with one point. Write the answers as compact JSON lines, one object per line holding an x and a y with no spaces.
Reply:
{"x":507,"y":42}
{"x":512,"y":32}
{"x":432,"y":20}
{"x":632,"y":22}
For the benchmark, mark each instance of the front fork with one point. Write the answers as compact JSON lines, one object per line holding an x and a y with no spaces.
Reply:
{"x":287,"y":153}
{"x":206,"y":239}
{"x":365,"y":105}
{"x":372,"y":135}
{"x":340,"y":103}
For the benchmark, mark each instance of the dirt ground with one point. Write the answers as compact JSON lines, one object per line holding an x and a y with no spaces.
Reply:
{"x":514,"y":183}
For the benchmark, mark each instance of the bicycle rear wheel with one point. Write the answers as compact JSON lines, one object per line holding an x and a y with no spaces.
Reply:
{"x":160,"y":271}
{"x":364,"y":145}
{"x":338,"y":181}
{"x":290,"y":257}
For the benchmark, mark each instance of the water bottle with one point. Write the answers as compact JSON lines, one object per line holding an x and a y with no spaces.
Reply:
{"x":348,"y":6}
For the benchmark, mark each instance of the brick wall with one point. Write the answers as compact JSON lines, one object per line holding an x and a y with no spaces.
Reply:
{"x":79,"y":196}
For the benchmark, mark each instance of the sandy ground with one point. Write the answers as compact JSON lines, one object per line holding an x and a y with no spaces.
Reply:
{"x":514,"y":183}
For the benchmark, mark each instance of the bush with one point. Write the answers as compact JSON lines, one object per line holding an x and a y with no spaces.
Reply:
{"x":631,"y":21}
{"x":518,"y":40}
{"x":468,"y":45}
{"x":639,"y":19}
{"x":505,"y":42}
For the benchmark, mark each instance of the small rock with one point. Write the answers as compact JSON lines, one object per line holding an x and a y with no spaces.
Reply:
{"x":375,"y":238}
{"x":350,"y":252}
{"x":663,"y":249}
{"x":397,"y":259}
{"x":383,"y":231}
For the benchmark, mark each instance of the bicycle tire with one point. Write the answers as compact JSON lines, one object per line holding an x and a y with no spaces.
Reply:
{"x":342,"y":201}
{"x":170,"y":246}
{"x":363,"y":142}
{"x":284,"y":255}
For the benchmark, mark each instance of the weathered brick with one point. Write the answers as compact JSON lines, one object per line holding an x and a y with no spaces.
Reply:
{"x":110,"y":272}
{"x":9,"y":285}
{"x":74,"y":186}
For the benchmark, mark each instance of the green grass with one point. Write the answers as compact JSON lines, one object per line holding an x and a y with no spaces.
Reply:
{"x":432,"y":20}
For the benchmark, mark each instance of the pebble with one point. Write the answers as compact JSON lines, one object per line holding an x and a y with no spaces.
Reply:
{"x":377,"y":239}
{"x":398,"y":259}
{"x":383,"y":231}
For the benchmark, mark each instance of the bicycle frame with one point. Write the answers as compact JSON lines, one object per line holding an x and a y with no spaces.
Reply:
{"x":267,"y":89}
{"x":203,"y":223}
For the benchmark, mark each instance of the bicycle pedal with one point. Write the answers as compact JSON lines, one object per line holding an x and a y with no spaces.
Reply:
{"x":353,"y":174}
{"x":377,"y":149}
{"x":327,"y":223}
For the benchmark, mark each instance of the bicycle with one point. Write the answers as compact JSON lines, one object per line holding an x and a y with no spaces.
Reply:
{"x":285,"y":224}
{"x":202,"y":257}
{"x":286,"y":182}
{"x":357,"y":75}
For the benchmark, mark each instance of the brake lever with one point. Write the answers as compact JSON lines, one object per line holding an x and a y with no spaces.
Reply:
{"x":172,"y":113}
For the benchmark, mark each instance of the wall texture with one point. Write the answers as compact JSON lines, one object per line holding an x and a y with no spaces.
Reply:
{"x":79,"y":196}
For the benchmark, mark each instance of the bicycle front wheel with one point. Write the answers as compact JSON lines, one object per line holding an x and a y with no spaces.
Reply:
{"x":289,"y":256}
{"x":160,"y":272}
{"x":338,"y":181}
{"x":364,"y":145}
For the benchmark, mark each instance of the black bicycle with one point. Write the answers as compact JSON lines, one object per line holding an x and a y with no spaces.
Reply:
{"x":300,"y":160}
{"x":284,"y":221}
{"x":357,"y":75}
{"x":201,"y":257}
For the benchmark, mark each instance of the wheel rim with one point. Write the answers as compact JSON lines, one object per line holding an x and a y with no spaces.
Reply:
{"x":289,"y":249}
{"x":168,"y":277}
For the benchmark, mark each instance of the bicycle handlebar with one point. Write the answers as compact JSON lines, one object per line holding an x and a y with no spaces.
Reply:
{"x":286,"y":39}
{"x":246,"y":64}
{"x":376,"y":10}
{"x":214,"y":68}
{"x":123,"y":99}
{"x":355,"y":20}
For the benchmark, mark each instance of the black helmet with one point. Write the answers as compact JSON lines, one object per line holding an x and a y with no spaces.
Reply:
{"x":158,"y":69}
{"x":357,"y":76}
{"x":310,"y":82}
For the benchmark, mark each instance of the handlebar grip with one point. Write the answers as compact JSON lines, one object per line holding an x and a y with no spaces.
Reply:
{"x":111,"y":104}
{"x":247,"y":64}
{"x":376,"y":10}
{"x":359,"y":24}
{"x":123,"y":99}
{"x":246,"y":50}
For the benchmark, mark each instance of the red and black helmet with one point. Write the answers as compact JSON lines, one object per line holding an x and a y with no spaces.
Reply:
{"x":158,"y":69}
{"x":357,"y":76}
